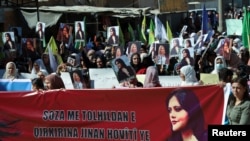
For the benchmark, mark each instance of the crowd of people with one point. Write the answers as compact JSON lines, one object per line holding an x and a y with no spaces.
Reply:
{"x":176,"y":57}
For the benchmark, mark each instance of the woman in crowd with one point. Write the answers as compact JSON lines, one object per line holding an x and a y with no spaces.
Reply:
{"x":11,"y":71}
{"x":151,"y":78}
{"x":135,"y":62}
{"x":53,"y":81}
{"x":188,"y":76}
{"x":238,"y":109}
{"x":219,"y":63}
{"x":186,"y":116}
{"x":46,"y":62}
{"x":100,"y":61}
{"x":37,"y":66}
{"x":37,"y":84}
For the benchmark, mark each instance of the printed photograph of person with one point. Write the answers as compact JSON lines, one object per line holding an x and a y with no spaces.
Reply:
{"x":133,"y":47}
{"x":9,"y":46}
{"x":78,"y":80}
{"x":186,"y":116}
{"x":162,"y":54}
{"x":30,"y":50}
{"x":71,"y":61}
{"x":200,"y":41}
{"x":175,"y":47}
{"x":40,"y":30}
{"x":118,"y":51}
{"x":189,"y":43}
{"x":64,"y":35}
{"x":79,"y":30}
{"x":123,"y":69}
{"x":186,"y":57}
{"x":17,"y":37}
{"x":226,"y":49}
{"x":113,"y":35}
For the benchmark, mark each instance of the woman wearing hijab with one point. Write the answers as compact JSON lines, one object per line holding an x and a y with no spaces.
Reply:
{"x":53,"y":81}
{"x":219,"y":63}
{"x":151,"y":78}
{"x":11,"y":71}
{"x":188,"y":76}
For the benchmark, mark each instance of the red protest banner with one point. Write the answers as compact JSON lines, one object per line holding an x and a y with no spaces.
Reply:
{"x":110,"y":114}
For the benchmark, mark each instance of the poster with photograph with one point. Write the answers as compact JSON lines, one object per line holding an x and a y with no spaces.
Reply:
{"x":175,"y":47}
{"x":133,"y":47}
{"x":189,"y":42}
{"x":161,"y":54}
{"x":118,"y":51}
{"x":64,"y":35}
{"x":122,"y":68}
{"x":40,"y":30}
{"x":9,"y":45}
{"x":79,"y":30}
{"x":17,"y":35}
{"x":30,"y":48}
{"x":113,"y":35}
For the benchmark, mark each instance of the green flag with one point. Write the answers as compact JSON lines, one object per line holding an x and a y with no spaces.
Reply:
{"x":131,"y":32}
{"x":246,"y":28}
{"x":151,"y":35}
{"x":121,"y":36}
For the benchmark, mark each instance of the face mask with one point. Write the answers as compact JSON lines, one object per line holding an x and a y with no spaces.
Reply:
{"x":219,"y":66}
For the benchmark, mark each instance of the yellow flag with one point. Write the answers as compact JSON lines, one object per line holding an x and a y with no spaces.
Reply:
{"x":169,"y":33}
{"x":143,"y":28}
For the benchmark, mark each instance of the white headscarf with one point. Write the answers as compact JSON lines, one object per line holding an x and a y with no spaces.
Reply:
{"x":41,"y":65}
{"x":13,"y":75}
{"x":190,"y":75}
{"x":215,"y":71}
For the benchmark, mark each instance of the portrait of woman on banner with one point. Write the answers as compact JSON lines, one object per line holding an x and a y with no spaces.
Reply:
{"x":113,"y":35}
{"x":186,"y":116}
{"x":122,"y":69}
{"x":162,"y":54}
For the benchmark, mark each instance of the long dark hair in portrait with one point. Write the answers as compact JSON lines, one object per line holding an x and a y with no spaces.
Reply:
{"x":190,"y":103}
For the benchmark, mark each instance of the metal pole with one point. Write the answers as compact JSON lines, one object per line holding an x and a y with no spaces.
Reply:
{"x":220,"y":27}
{"x":37,"y":10}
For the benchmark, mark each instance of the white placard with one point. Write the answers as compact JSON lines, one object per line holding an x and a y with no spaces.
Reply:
{"x":67,"y":80}
{"x":103,"y":78}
